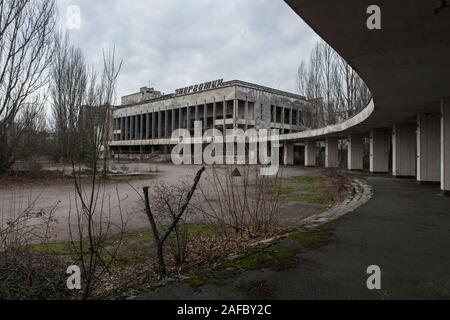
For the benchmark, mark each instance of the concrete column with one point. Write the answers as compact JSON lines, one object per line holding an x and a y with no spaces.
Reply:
{"x":180,"y":118}
{"x":288,"y":154}
{"x":290,"y":117}
{"x":205,"y":117}
{"x":283,"y":122}
{"x":379,"y":151}
{"x":136,"y":127}
{"x":331,"y":153}
{"x":196,"y":112}
{"x":246,"y":114}
{"x":274,"y":114}
{"x":141,"y":128}
{"x":235,"y":112}
{"x":224,"y":117}
{"x":188,"y":118}
{"x":147,"y":126}
{"x":310,"y":153}
{"x":166,"y":123}
{"x":445,"y":146}
{"x":214,"y":114}
{"x":174,"y":116}
{"x":404,"y":156}
{"x":127,"y":128}
{"x":132,"y":122}
{"x":153,"y":125}
{"x":428,"y":148}
{"x":159,"y":129}
{"x":122,"y":128}
{"x":355,"y":152}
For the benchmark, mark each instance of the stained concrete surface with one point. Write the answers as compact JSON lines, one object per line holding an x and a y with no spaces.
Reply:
{"x":48,"y":194}
{"x":404,"y":229}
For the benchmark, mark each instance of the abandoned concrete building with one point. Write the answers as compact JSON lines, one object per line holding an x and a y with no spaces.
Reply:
{"x":144,"y":122}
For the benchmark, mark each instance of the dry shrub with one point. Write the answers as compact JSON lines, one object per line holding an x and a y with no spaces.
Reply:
{"x":165,"y":196}
{"x":23,"y":273}
{"x":248,"y":203}
{"x":339,"y":182}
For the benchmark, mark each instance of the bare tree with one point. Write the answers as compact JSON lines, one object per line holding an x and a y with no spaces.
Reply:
{"x":26,"y":33}
{"x":82,"y":104}
{"x":94,"y":225}
{"x":68,"y":89}
{"x":336,"y":90}
{"x":248,"y":204}
{"x":161,"y":238}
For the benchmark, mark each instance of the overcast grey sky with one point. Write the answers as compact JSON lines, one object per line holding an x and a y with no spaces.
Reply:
{"x":175,"y":43}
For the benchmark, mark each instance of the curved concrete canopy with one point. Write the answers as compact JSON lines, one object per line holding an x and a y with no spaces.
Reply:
{"x":406,"y":64}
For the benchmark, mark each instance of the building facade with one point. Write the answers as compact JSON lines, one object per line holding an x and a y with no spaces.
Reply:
{"x":144,"y":122}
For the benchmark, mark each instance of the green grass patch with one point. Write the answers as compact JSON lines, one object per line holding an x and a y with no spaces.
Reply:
{"x":313,"y":238}
{"x":60,"y":248}
{"x":196,"y":280}
{"x":308,"y":189}
{"x":274,"y":259}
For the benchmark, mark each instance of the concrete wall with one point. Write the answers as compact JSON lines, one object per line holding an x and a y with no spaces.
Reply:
{"x":404,"y":150}
{"x":445,"y":146}
{"x":379,"y":151}
{"x":428,"y":148}
{"x":355,"y":152}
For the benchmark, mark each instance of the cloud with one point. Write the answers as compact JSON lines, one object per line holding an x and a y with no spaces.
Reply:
{"x":174,"y":43}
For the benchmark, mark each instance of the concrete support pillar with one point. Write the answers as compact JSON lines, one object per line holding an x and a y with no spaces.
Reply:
{"x":154,"y":125}
{"x":445,"y":146}
{"x":180,"y":118}
{"x":290,"y":118}
{"x":224,"y":117}
{"x":428,"y":148}
{"x":188,"y":118}
{"x":122,"y":128}
{"x":331,"y":153}
{"x":214,"y":114}
{"x":205,"y":117}
{"x":174,"y":116}
{"x":127,"y":128}
{"x":310,"y":153}
{"x":404,"y":156}
{"x":355,"y":152}
{"x":274,"y":114}
{"x":246,"y":115}
{"x":166,"y":123}
{"x":132,"y":122}
{"x":283,"y":122}
{"x":136,"y":127}
{"x":379,"y":151}
{"x":147,"y":127}
{"x":235,"y":112}
{"x":288,"y":154}
{"x":141,"y":128}
{"x":159,"y":129}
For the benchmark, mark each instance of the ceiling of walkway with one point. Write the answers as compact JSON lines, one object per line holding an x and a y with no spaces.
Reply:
{"x":406,"y":64}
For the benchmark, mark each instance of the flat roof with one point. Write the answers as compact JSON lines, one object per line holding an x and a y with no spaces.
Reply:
{"x":225,"y":84}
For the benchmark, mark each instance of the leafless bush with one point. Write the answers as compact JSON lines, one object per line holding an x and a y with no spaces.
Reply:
{"x":161,"y":235}
{"x":95,"y":239}
{"x":21,"y":225}
{"x":248,"y":203}
{"x":23,"y":273}
{"x":166,"y":200}
{"x":340,"y":183}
